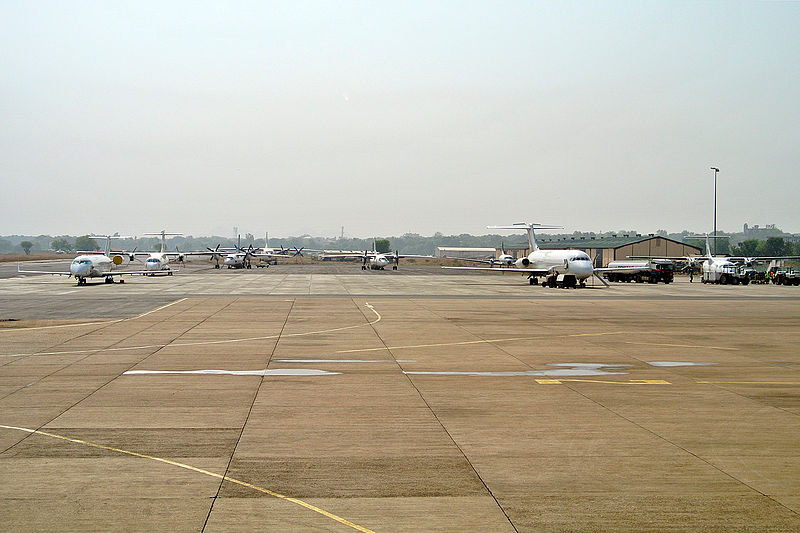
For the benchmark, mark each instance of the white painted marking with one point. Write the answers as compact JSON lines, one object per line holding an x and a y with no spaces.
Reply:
{"x":575,"y":369}
{"x":265,"y":372}
{"x":677,"y":363}
{"x":343,"y":361}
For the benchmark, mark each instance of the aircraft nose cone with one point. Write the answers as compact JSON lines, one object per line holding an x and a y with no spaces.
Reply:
{"x":79,"y":270}
{"x":583,"y":270}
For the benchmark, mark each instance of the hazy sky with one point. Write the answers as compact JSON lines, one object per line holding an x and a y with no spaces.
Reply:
{"x":395,"y":117}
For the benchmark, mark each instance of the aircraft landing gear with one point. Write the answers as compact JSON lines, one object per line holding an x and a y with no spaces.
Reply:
{"x":394,"y":267}
{"x":109,"y":279}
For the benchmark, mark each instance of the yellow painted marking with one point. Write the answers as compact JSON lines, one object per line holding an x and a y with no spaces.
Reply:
{"x":753,"y":382}
{"x":629,"y":382}
{"x":158,"y":309}
{"x":200,"y":471}
{"x":682,"y":345}
{"x":204,"y":343}
{"x":482,"y":341}
{"x":103,"y":322}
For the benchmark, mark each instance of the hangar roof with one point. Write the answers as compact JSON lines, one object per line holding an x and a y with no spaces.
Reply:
{"x":600,"y":242}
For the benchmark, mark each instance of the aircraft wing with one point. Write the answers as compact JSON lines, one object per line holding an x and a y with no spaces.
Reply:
{"x":621,"y":269}
{"x":42,"y":272}
{"x":671,"y":258}
{"x":471,"y":260}
{"x":323,"y":256}
{"x":403,"y":256}
{"x":131,"y":272}
{"x":763,"y":258}
{"x":533,"y":271}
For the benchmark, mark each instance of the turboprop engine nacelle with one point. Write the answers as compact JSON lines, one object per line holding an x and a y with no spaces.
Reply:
{"x":522,"y":262}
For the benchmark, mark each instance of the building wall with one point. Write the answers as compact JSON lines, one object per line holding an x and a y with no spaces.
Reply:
{"x":470,"y":253}
{"x":656,"y":246}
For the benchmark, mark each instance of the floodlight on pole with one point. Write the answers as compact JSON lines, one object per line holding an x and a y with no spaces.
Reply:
{"x":715,"y":169}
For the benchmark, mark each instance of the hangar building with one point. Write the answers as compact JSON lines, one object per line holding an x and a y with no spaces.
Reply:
{"x":606,"y":249}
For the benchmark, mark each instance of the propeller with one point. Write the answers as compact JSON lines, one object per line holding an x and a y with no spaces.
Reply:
{"x":298,"y":251}
{"x":215,"y":255}
{"x":180,"y":255}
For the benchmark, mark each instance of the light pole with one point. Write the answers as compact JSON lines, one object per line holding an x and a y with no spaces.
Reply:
{"x":715,"y":169}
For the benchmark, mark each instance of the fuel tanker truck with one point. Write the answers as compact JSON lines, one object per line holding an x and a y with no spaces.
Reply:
{"x":642,"y":271}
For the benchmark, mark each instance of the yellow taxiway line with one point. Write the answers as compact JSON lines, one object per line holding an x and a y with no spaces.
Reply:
{"x":751,"y":382}
{"x":558,"y":381}
{"x":301,"y":503}
{"x":201,"y":343}
{"x":483,"y":341}
{"x":102,"y":322}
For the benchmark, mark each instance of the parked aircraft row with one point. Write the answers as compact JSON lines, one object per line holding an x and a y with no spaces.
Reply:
{"x":566,"y":268}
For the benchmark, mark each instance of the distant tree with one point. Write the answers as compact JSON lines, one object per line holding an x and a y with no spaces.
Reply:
{"x":723,"y":246}
{"x":774,"y":246}
{"x":61,"y":245}
{"x":383,"y":246}
{"x":26,"y":246}
{"x":696,"y":244}
{"x":249,"y":237}
{"x":748,"y":248}
{"x":5,"y":245}
{"x":86,"y":243}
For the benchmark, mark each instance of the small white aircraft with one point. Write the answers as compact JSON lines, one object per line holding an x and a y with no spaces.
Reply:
{"x":92,"y":265}
{"x":159,"y":261}
{"x":720,"y":269}
{"x":503,"y":260}
{"x":559,"y":268}
{"x":375,"y":260}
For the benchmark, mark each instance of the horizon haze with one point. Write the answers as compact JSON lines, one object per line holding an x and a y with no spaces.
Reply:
{"x":419,"y":117}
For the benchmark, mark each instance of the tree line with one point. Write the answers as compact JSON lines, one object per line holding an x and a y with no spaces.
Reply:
{"x":409,"y":243}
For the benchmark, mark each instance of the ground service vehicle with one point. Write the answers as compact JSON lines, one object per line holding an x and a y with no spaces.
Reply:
{"x":642,"y":271}
{"x":725,"y":274}
{"x":786,"y":277}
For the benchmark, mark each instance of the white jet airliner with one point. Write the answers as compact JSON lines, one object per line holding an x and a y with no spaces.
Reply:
{"x":92,"y":265}
{"x":559,"y":268}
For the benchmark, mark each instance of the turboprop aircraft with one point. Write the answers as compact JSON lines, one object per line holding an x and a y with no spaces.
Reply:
{"x":267,"y":255}
{"x":559,"y":268}
{"x":503,"y":260}
{"x":721,"y":269}
{"x":375,"y":260}
{"x":92,"y":265}
{"x":159,"y":261}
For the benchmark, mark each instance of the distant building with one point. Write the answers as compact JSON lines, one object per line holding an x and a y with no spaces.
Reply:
{"x":464,"y":253}
{"x":603,"y":250}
